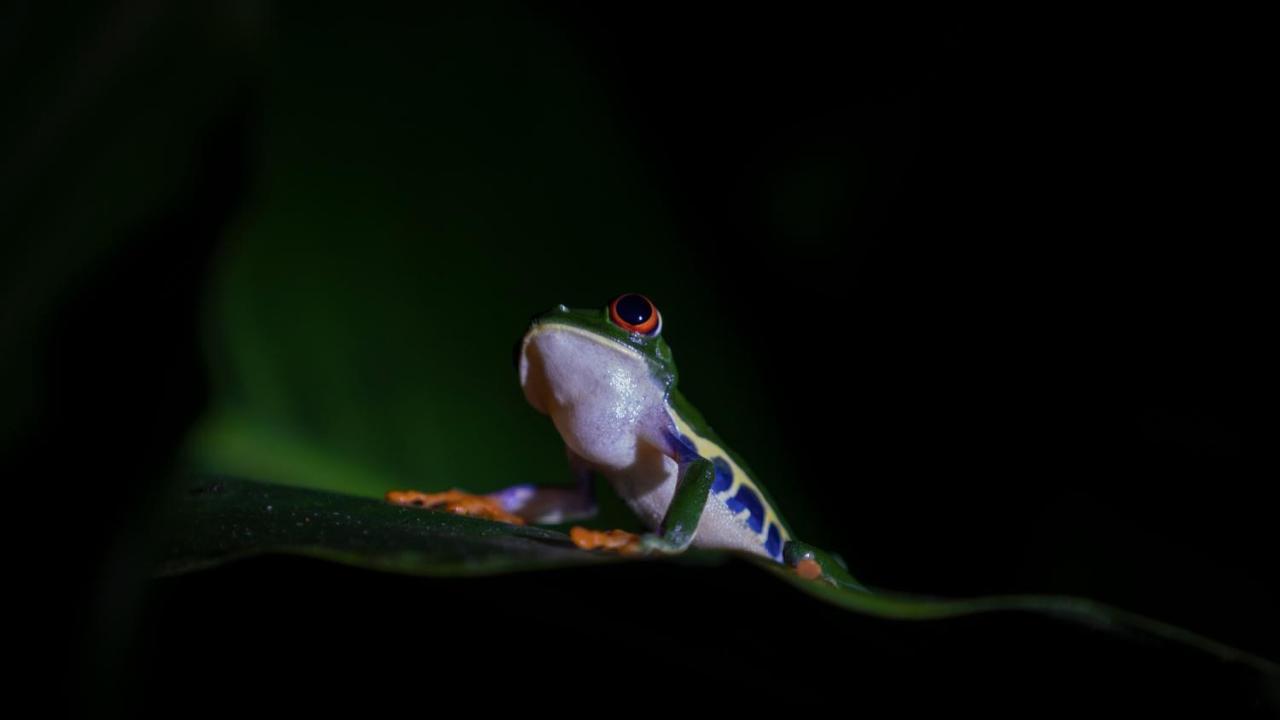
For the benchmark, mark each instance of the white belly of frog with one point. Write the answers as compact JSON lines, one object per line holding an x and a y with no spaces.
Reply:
{"x":607,"y":407}
{"x":648,"y":487}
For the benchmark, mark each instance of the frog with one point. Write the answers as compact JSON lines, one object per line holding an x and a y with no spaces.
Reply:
{"x":608,"y":382}
{"x":607,"y":379}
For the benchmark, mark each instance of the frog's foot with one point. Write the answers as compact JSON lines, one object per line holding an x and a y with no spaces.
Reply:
{"x":811,"y":563}
{"x":457,"y":502}
{"x":619,"y":541}
{"x":804,"y":561}
{"x":808,"y":568}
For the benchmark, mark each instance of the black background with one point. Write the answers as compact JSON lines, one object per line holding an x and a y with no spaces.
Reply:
{"x":1073,"y":194}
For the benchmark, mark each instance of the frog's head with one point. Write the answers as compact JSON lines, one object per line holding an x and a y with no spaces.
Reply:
{"x":570,"y":355}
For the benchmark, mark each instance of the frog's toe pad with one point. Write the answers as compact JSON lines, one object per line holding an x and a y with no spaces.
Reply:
{"x":809,"y":569}
{"x":457,"y":502}
{"x":616,"y":540}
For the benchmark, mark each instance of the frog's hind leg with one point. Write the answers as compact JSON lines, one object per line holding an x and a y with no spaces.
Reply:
{"x":517,"y":504}
{"x":546,"y":505}
{"x":557,"y":503}
{"x":814,"y":563}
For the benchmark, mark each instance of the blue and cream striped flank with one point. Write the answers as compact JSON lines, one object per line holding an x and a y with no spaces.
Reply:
{"x":733,"y":488}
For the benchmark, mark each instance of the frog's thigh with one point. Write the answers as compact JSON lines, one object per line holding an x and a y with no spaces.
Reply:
{"x":556,"y":503}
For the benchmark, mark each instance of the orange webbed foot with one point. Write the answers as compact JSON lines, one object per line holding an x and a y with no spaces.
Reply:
{"x":457,"y":502}
{"x":619,"y":541}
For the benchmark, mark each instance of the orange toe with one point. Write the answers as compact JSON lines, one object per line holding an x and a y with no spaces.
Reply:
{"x":616,"y":540}
{"x":457,"y":502}
{"x":809,"y":569}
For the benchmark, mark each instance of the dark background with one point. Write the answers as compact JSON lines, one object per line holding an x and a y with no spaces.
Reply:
{"x":969,"y":292}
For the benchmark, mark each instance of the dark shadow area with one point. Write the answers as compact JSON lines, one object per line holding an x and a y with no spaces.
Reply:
{"x":972,"y":295}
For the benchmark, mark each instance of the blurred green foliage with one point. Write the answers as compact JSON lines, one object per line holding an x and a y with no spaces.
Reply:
{"x":99,"y":138}
{"x":422,"y":195}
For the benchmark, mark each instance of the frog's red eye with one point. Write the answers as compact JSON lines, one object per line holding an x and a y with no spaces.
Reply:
{"x":635,"y":313}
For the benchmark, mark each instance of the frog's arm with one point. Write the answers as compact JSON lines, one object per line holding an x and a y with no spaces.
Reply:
{"x":680,"y":523}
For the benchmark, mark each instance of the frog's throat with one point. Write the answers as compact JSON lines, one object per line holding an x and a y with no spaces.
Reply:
{"x":554,"y":326}
{"x":532,"y":379}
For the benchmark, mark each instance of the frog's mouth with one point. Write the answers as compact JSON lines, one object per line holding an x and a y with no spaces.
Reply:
{"x":561,"y":365}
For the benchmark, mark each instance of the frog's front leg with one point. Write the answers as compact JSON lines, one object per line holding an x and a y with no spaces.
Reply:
{"x":679,"y":524}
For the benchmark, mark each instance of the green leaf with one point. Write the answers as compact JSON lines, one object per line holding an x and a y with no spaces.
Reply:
{"x":900,"y":606}
{"x":222,"y":519}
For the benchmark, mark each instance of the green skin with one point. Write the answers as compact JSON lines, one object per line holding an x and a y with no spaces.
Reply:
{"x":696,"y":475}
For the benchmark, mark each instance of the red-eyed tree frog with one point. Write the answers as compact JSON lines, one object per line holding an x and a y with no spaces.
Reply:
{"x":607,"y":380}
